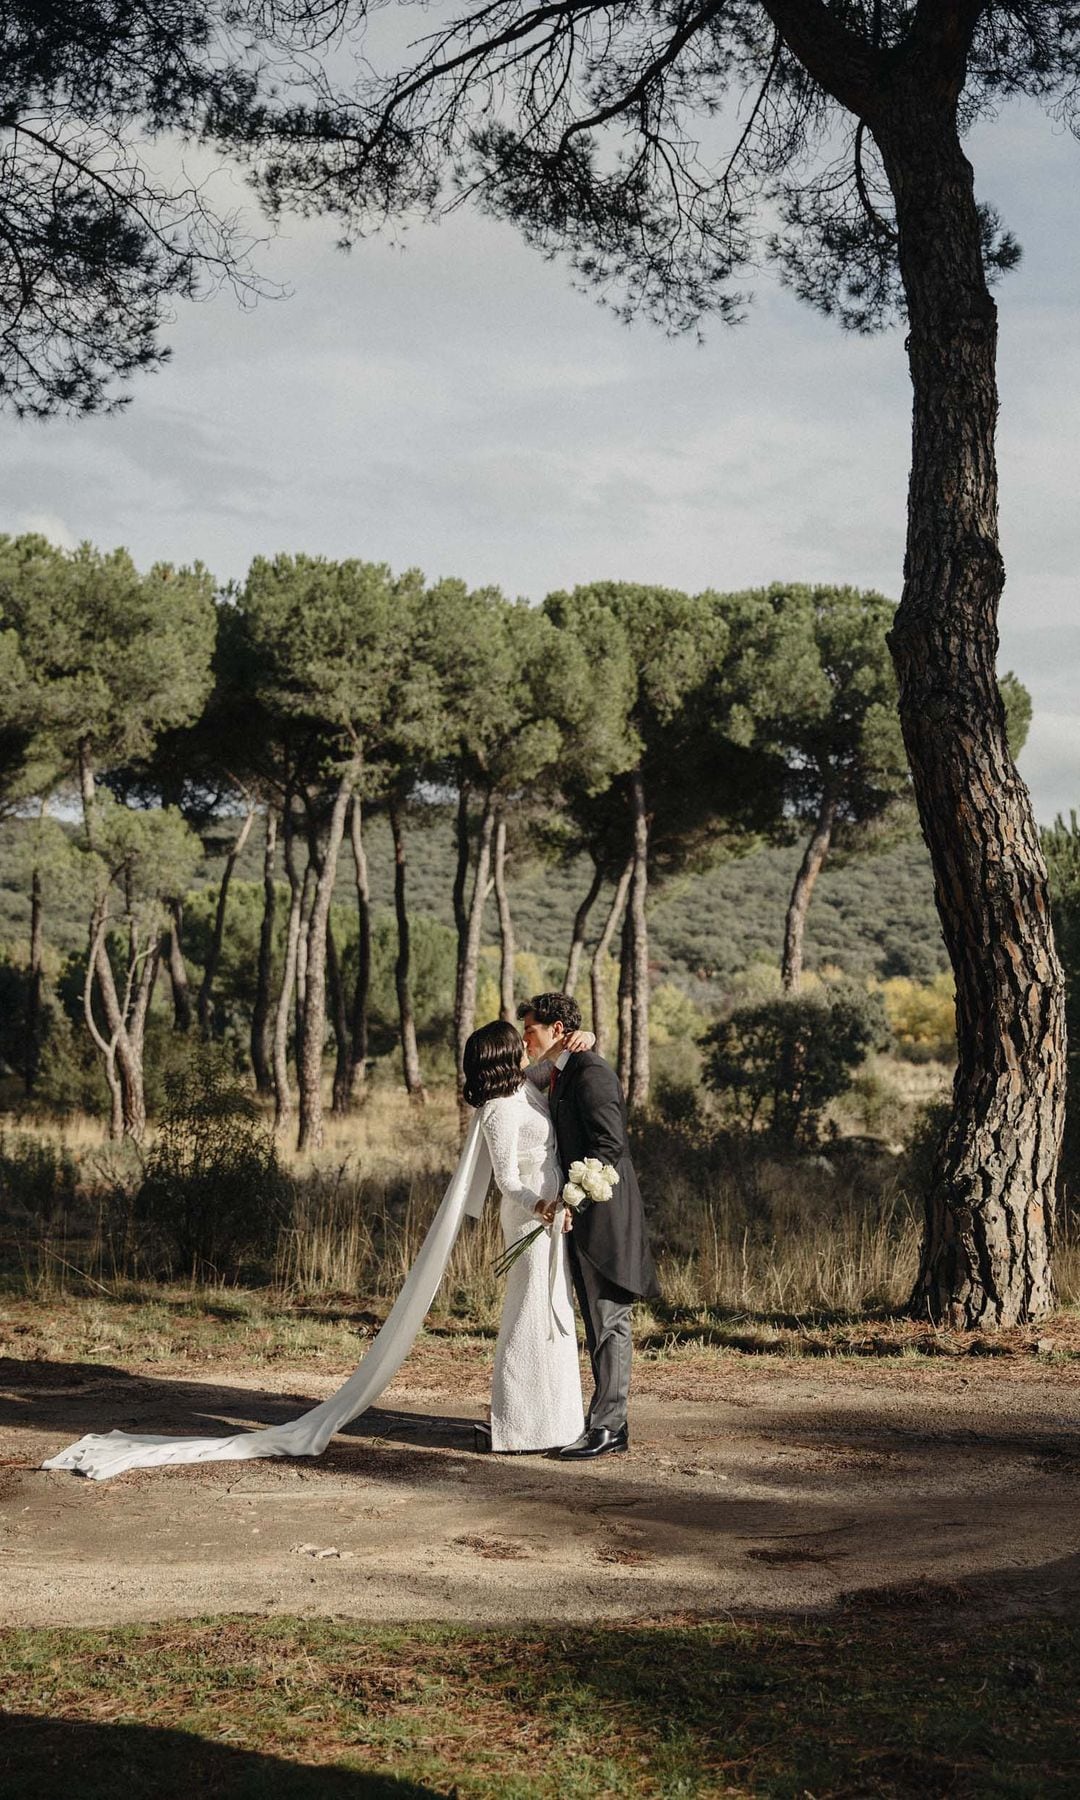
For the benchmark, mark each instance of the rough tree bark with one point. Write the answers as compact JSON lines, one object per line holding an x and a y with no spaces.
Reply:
{"x":358,"y":1053}
{"x":204,"y":1004}
{"x":990,"y":1207}
{"x":577,"y":939}
{"x":638,"y":1093}
{"x":410,"y":1056}
{"x":283,"y":1010}
{"x":810,"y":867}
{"x":507,"y":1005}
{"x":310,"y":1055}
{"x":465,"y":1011}
{"x":178,"y":975}
{"x":261,"y":1044}
{"x":600,"y":959}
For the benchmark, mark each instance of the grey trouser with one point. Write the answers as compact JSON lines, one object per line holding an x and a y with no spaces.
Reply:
{"x":606,"y":1311}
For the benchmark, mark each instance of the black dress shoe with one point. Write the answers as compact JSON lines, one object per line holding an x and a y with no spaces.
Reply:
{"x":597,"y":1441}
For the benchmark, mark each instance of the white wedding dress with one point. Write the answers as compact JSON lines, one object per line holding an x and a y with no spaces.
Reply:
{"x":100,"y":1456}
{"x":536,"y":1386}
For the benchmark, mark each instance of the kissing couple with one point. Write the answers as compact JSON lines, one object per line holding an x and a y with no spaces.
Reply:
{"x":539,"y":1121}
{"x":531,"y":1124}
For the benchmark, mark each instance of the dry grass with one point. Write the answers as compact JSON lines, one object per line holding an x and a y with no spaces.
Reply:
{"x":737,"y":1235}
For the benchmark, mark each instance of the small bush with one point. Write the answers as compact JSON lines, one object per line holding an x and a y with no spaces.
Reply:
{"x":36,"y":1178}
{"x":922,"y":1017}
{"x":214,"y":1194}
{"x":779,"y":1063}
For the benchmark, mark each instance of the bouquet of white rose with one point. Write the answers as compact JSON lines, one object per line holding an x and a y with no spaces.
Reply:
{"x":591,"y":1183}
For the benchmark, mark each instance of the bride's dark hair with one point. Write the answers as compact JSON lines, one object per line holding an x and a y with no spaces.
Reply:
{"x":492,"y":1062}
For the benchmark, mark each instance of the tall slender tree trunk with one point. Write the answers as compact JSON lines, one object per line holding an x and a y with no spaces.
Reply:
{"x":178,"y":975}
{"x":507,"y":1002}
{"x":470,"y":969}
{"x":626,"y":1001}
{"x":359,"y":1048}
{"x":147,"y":963}
{"x":339,"y":1018}
{"x":461,"y":910}
{"x":990,"y":1207}
{"x":261,"y":1034}
{"x":204,"y":1005}
{"x":410,"y":1056}
{"x":638,"y":1094}
{"x":35,"y":982}
{"x":283,"y":1010}
{"x":810,"y":868}
{"x":600,"y":959}
{"x":577,"y":939}
{"x":301,"y":958}
{"x":310,"y":1056}
{"x":123,"y":1072}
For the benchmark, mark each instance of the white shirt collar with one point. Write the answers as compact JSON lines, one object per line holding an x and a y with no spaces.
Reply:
{"x":561,"y":1061}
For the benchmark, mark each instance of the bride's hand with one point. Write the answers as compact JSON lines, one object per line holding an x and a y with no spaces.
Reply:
{"x":567,"y":1220}
{"x":579,"y":1040}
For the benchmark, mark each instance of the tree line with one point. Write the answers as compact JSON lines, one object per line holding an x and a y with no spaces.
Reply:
{"x":642,"y":728}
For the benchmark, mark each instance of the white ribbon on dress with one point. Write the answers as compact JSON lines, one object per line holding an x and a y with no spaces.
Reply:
{"x":111,"y":1453}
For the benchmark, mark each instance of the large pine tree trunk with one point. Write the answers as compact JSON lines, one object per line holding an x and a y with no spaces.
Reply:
{"x":261,"y":1036}
{"x":204,"y":1005}
{"x":577,"y":938}
{"x":359,"y":1047}
{"x":283,"y":1010}
{"x":410,"y":1056}
{"x":990,"y":1206}
{"x":600,"y":959}
{"x":178,"y":975}
{"x":810,"y":868}
{"x":470,"y":968}
{"x":507,"y":1006}
{"x":310,"y":1056}
{"x":32,"y":1048}
{"x":638,"y":1094}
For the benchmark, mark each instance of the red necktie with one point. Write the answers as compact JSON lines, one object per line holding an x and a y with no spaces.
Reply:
{"x":551,"y":1083}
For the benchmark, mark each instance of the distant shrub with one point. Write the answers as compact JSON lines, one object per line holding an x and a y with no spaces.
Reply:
{"x":36,"y":1178}
{"x":70,"y":1079}
{"x":923,"y":1148}
{"x":779,"y":1063}
{"x":214,"y":1194}
{"x":922,"y":1017}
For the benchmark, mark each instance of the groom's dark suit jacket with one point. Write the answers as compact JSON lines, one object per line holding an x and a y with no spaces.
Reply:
{"x":589,"y":1115}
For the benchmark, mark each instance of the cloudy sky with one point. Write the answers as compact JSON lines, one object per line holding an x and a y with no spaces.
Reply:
{"x":456,"y":406}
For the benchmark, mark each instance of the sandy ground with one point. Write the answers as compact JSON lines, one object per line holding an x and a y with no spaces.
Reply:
{"x":753,"y":1485}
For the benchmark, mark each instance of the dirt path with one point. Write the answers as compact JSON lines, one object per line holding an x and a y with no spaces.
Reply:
{"x":754,"y":1484}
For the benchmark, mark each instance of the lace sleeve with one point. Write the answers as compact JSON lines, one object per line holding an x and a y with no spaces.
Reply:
{"x":501,"y":1124}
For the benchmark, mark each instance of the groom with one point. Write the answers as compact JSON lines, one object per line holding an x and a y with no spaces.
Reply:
{"x":608,"y":1248}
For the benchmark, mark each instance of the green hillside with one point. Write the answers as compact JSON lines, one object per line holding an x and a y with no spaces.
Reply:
{"x":870,"y":916}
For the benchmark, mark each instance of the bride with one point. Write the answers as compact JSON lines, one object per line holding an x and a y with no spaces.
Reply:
{"x":536,"y":1400}
{"x":536,"y":1386}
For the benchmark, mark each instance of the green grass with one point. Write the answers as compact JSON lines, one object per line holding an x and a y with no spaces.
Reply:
{"x":903,"y":1698}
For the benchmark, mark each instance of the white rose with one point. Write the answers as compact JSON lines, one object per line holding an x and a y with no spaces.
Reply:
{"x":611,"y":1176}
{"x":574,"y":1195}
{"x":593,"y":1163}
{"x":576,"y":1171}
